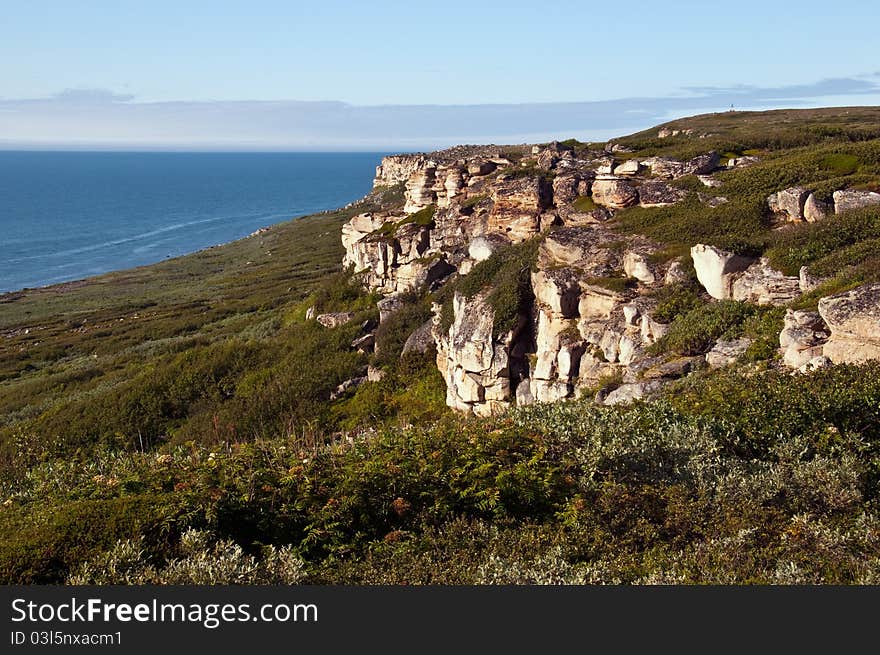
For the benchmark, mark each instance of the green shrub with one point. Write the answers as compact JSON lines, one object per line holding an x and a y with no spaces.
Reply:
{"x":42,"y":543}
{"x":696,"y":332}
{"x":674,"y":300}
{"x":505,"y":276}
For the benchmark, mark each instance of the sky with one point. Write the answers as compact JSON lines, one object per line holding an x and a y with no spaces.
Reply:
{"x":387,"y":74}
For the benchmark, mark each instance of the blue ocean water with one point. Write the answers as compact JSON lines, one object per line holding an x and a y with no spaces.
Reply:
{"x":69,"y":215}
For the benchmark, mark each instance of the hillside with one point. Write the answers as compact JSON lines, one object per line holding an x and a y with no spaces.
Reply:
{"x":648,"y":360}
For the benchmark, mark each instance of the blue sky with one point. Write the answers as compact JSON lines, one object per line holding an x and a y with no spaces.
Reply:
{"x":203,"y":74}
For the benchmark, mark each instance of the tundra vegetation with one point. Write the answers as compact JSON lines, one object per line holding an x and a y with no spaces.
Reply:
{"x":172,"y":424}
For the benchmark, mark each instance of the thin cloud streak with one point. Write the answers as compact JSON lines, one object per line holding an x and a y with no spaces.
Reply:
{"x":98,"y":118}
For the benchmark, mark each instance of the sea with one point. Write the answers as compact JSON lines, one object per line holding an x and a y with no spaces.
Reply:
{"x":70,"y":215}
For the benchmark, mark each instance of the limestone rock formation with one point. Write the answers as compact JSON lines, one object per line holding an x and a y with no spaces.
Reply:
{"x":397,"y":168}
{"x":614,"y":192}
{"x":589,"y":313}
{"x":717,"y":269}
{"x":853,"y":318}
{"x":475,"y":360}
{"x":851,"y":199}
{"x":815,"y":210}
{"x":517,"y":207}
{"x":656,"y":193}
{"x":762,"y":285}
{"x":789,"y":203}
{"x":724,"y":353}
{"x":802,"y":337}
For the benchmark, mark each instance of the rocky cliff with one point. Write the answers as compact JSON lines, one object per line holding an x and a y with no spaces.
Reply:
{"x":585,"y":318}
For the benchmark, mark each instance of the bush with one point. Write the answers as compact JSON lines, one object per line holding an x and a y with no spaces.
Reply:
{"x":698,"y":330}
{"x":42,"y":543}
{"x":506,"y":276}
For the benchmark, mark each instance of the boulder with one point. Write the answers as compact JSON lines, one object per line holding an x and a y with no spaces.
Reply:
{"x":656,"y":193}
{"x":710,"y":181}
{"x":636,"y":265}
{"x":850,"y":199}
{"x":815,"y":210}
{"x":701,"y":164}
{"x":547,"y":159}
{"x":348,"y":385}
{"x":568,"y":245}
{"x":628,"y":393}
{"x":582,"y":219}
{"x":482,"y":247}
{"x":724,"y":353}
{"x":673,"y":369}
{"x":629,"y":167}
{"x":567,"y":187}
{"x":676,"y":274}
{"x":387,"y":306}
{"x":375,"y":374}
{"x":802,"y":337}
{"x":763,"y":285}
{"x":671,"y":169}
{"x":334,"y":319}
{"x":740,"y":162}
{"x":605,"y":166}
{"x":420,"y":341}
{"x":364,"y":343}
{"x":853,"y":318}
{"x":480,"y":167}
{"x":789,"y":202}
{"x":614,"y":193}
{"x":421,"y":273}
{"x":716,"y":269}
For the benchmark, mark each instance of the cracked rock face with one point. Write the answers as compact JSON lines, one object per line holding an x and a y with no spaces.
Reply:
{"x":614,"y":193}
{"x":853,"y":318}
{"x":847,"y":200}
{"x":763,"y":285}
{"x":717,"y":269}
{"x":517,"y":207}
{"x":590,"y":316}
{"x":803,"y":336}
{"x":789,"y":203}
{"x":474,"y":360}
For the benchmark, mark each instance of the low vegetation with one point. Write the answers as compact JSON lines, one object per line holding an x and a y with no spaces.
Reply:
{"x":173,"y":424}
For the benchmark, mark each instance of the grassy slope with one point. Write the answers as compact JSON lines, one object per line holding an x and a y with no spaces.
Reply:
{"x":204,"y":362}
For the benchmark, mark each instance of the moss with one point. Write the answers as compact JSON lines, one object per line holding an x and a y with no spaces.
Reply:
{"x":424,"y":217}
{"x":616,"y":284}
{"x":584,"y":204}
{"x":840,"y":164}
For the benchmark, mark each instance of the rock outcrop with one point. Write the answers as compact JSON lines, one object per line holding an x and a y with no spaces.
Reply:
{"x":588,"y":316}
{"x":476,"y":360}
{"x":850,"y":199}
{"x":717,"y":269}
{"x":802,"y":338}
{"x":762,"y":285}
{"x":853,"y":318}
{"x":789,"y":203}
